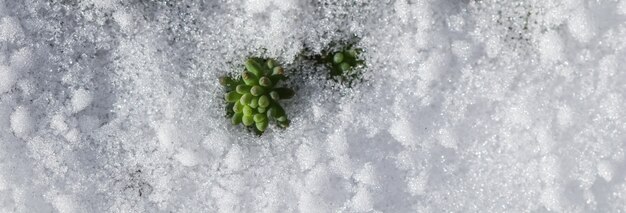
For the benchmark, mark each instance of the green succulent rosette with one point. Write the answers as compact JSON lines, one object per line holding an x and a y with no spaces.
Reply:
{"x":343,"y":61}
{"x":253,"y":99}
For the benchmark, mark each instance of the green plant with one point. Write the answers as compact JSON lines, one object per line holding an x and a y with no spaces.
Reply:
{"x":342,"y":59}
{"x":253,"y":98}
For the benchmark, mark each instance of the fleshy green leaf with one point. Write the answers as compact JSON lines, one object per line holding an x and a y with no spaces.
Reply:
{"x":264,"y":101}
{"x":236,"y":119}
{"x":254,"y":67}
{"x":247,"y":120}
{"x":257,"y":90}
{"x":232,"y":96}
{"x":260,"y":118}
{"x":261,"y":126}
{"x":338,"y":58}
{"x":245,"y":99}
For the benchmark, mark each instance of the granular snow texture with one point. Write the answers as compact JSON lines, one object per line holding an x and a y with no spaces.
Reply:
{"x":466,"y":106}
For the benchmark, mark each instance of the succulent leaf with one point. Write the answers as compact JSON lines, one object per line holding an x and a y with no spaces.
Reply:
{"x":247,"y":110}
{"x":261,"y":126}
{"x":236,"y":119}
{"x":232,"y":96}
{"x":254,"y":67}
{"x":249,"y":78}
{"x":247,"y":120}
{"x":338,"y":58}
{"x":254,"y":103}
{"x":242,"y":89}
{"x":238,"y":107}
{"x":257,"y":90}
{"x":245,"y":99}
{"x":264,"y":101}
{"x":260,"y":118}
{"x":265,"y":81}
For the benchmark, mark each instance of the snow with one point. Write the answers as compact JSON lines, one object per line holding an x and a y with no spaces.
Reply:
{"x":7,"y":78}
{"x":81,"y":99}
{"x":22,"y":123}
{"x":186,"y":158}
{"x":10,"y":29}
{"x":621,"y":7}
{"x":551,"y":47}
{"x":580,"y":27}
{"x":605,"y":170}
{"x":466,"y":106}
{"x":22,"y":59}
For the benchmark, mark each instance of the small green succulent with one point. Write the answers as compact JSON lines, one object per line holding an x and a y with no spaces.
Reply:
{"x":343,"y":62}
{"x":253,"y":98}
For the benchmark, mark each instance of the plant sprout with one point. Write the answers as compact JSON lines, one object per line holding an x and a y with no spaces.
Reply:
{"x":253,"y":99}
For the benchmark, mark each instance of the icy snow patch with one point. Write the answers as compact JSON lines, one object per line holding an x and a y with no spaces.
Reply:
{"x":57,"y":122}
{"x":580,"y":25}
{"x":362,"y":200}
{"x":551,"y":47}
{"x":621,"y":7}
{"x":10,"y":29}
{"x":186,"y":157}
{"x":7,"y":78}
{"x":22,"y":123}
{"x":81,"y":99}
{"x":22,"y":59}
{"x":605,"y":170}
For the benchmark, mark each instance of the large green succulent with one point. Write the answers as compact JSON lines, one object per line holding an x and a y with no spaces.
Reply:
{"x":253,"y":98}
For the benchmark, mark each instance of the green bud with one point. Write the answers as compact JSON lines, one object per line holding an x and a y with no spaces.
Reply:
{"x":238,"y":107}
{"x":232,"y":96}
{"x":257,"y":90}
{"x":271,"y":112}
{"x":249,"y":78}
{"x":247,"y":120}
{"x":344,"y":66}
{"x":265,"y":81}
{"x":242,"y":89}
{"x":227,"y":81}
{"x":253,"y":66}
{"x":264,"y":101}
{"x":254,"y":102}
{"x":236,"y":119}
{"x":271,"y":63}
{"x":274,"y":95}
{"x":352,"y":52}
{"x":247,"y":110}
{"x":278,"y":71}
{"x":261,"y":126}
{"x":260,"y":118}
{"x":284,"y":93}
{"x":338,"y":58}
{"x":281,"y":118}
{"x":284,"y":124}
{"x":245,"y":99}
{"x":261,"y":109}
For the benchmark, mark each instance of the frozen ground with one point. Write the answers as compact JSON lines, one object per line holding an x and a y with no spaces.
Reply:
{"x":468,"y":106}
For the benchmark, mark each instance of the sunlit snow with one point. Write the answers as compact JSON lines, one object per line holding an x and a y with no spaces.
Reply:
{"x":466,"y":106}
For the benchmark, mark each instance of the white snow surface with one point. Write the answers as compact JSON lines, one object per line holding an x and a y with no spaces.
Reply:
{"x":466,"y":106}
